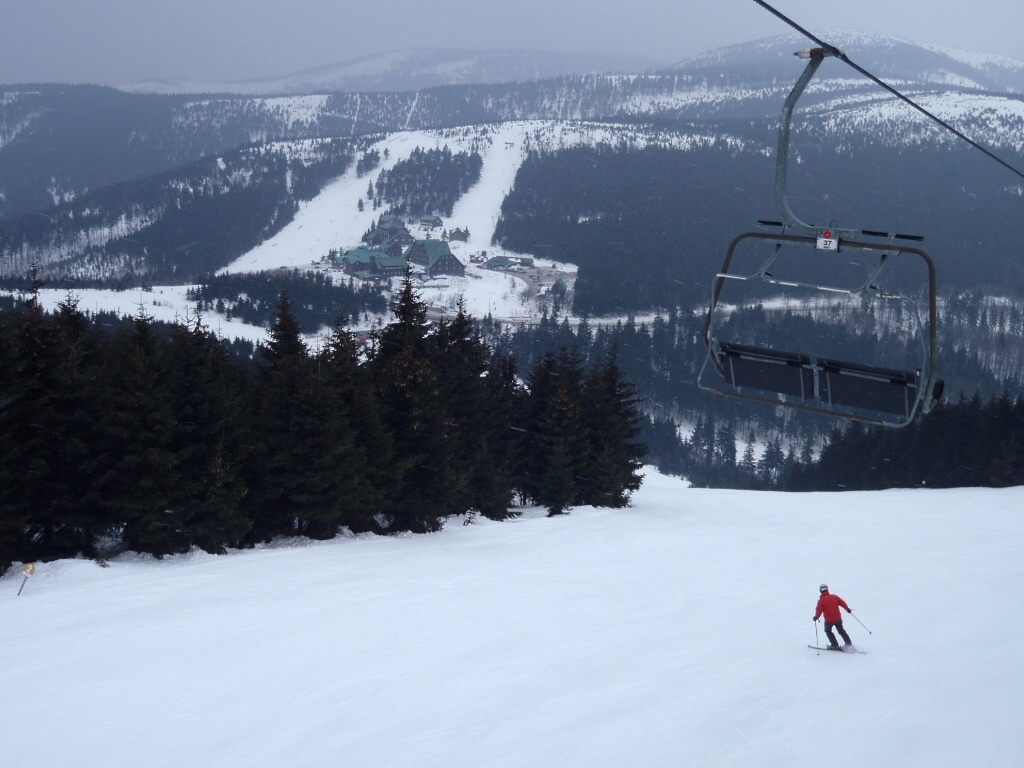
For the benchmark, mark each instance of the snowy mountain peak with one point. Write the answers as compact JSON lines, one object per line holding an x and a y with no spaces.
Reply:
{"x":886,"y":56}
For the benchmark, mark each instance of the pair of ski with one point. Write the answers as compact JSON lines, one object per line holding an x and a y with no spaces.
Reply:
{"x":839,"y":650}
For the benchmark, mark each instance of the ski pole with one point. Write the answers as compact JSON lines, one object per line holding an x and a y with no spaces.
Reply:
{"x":859,"y":621}
{"x":817,"y":645}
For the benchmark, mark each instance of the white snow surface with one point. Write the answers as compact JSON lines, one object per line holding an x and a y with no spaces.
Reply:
{"x":994,"y":120}
{"x":672,"y":633}
{"x":977,"y":59}
{"x":332,"y":219}
{"x":167,"y":303}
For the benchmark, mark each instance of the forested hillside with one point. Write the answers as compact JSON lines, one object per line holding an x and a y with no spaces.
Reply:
{"x":649,"y":227}
{"x":316,"y":300}
{"x":59,"y":141}
{"x":428,"y":182}
{"x":174,"y":226}
{"x":663,"y":359}
{"x":970,"y":441}
{"x":134,"y":439}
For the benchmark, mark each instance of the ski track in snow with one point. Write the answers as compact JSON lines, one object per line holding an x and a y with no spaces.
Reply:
{"x":672,"y":633}
{"x":332,"y":220}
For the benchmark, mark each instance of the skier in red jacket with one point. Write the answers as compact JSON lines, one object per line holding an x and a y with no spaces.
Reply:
{"x":829,"y":605}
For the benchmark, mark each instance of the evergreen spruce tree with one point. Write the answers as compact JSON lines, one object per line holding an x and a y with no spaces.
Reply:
{"x":480,"y":391}
{"x":206,"y":439}
{"x":613,"y":424}
{"x":78,"y":411}
{"x":47,"y":423}
{"x":364,"y":477}
{"x":410,"y":389}
{"x":748,"y":464}
{"x":139,"y":484}
{"x":771,"y":465}
{"x":300,"y":442}
{"x":556,"y":450}
{"x":725,"y":448}
{"x":13,"y":542}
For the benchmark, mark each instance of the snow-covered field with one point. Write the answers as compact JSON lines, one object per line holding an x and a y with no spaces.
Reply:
{"x":332,"y":220}
{"x":167,"y":303}
{"x":673,"y":633}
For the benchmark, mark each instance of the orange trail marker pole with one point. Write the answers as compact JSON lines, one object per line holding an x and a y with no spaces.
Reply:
{"x":27,"y":570}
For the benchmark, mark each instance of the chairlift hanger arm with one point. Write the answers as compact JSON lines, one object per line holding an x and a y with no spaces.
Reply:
{"x":831,"y":50}
{"x":798,"y":226}
{"x":782,"y":155}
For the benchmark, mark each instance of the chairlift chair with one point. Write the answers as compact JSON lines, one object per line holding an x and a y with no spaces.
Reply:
{"x":863,"y":392}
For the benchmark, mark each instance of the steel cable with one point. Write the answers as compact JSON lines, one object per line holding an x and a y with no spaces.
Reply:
{"x":834,"y":52}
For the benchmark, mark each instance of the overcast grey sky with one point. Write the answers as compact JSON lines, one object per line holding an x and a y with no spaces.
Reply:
{"x":119,"y":41}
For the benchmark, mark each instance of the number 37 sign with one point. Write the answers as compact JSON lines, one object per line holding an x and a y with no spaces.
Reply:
{"x":828,"y":241}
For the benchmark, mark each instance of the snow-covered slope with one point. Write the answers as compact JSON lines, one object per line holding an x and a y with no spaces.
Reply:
{"x":884,"y":55}
{"x":166,"y":303}
{"x":332,"y":220}
{"x":673,"y":633}
{"x":413,"y":70}
{"x":49,"y":151}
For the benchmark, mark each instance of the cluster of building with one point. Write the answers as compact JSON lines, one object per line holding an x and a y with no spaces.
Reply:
{"x":508,"y":262}
{"x":389,"y":248}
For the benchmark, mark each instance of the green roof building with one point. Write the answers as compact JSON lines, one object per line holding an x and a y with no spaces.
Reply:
{"x":500,"y":262}
{"x":436,"y":257}
{"x":371,"y":262}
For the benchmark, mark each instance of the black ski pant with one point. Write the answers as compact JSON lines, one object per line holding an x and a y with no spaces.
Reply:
{"x":837,"y":625}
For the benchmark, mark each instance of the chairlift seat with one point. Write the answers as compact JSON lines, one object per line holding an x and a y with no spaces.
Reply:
{"x":864,"y":386}
{"x":830,"y":382}
{"x":867,"y":393}
{"x":768,"y":369}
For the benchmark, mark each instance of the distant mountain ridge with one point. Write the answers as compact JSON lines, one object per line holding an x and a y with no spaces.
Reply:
{"x":59,"y":142}
{"x":884,"y":56}
{"x":414,"y":70}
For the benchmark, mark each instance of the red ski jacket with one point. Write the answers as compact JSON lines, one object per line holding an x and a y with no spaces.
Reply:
{"x":829,"y":604}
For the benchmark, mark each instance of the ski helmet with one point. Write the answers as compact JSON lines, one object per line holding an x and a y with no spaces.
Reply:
{"x":823,"y":588}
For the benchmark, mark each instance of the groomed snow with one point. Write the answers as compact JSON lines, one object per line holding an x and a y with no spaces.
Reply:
{"x":673,"y":633}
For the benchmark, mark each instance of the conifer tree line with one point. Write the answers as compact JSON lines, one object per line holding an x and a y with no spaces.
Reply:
{"x":162,"y":440}
{"x":968,"y":442}
{"x":712,"y":448}
{"x":315,"y":299}
{"x":428,"y":182}
{"x":367,"y":162}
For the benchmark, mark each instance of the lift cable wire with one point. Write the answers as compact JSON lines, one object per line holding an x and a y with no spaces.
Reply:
{"x":834,"y":52}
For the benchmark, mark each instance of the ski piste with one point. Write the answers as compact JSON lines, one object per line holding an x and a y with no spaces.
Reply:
{"x":839,"y":650}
